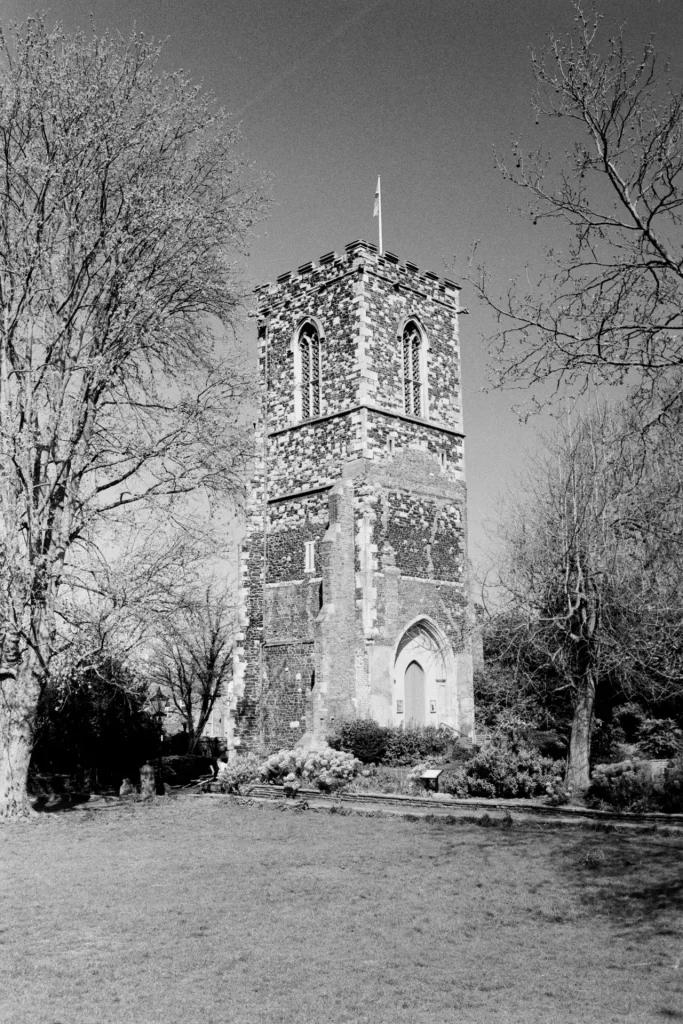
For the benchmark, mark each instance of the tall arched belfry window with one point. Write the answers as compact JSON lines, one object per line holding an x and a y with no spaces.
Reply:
{"x":414,"y":370}
{"x":308,"y":346}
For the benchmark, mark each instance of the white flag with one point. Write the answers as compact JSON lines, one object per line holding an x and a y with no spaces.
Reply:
{"x":375,"y":212}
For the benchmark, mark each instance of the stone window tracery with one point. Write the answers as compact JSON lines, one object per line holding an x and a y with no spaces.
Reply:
{"x":413,"y":370}
{"x":310,"y":367}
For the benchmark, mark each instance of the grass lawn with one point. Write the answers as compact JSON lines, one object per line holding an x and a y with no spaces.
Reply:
{"x":201,"y":911}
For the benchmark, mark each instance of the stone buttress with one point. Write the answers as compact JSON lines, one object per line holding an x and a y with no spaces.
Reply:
{"x":354,"y":565}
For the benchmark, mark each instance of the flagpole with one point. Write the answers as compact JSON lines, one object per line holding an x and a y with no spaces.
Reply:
{"x":377,"y":212}
{"x":380,"y":216}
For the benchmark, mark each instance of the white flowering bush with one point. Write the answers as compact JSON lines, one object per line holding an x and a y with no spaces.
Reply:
{"x":240,"y":770}
{"x":326,"y":769}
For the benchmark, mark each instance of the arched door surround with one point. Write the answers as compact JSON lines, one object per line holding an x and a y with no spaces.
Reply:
{"x":424,"y":681}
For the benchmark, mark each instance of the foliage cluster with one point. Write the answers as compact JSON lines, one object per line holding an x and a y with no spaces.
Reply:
{"x":501,"y":771}
{"x":391,"y":746}
{"x":624,"y":786}
{"x":125,"y":205}
{"x":325,"y":769}
{"x":92,"y":728}
{"x":240,"y":770}
{"x":629,"y":786}
{"x":320,"y":767}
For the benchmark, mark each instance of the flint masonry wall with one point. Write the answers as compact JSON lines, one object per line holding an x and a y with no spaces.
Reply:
{"x":380,"y":492}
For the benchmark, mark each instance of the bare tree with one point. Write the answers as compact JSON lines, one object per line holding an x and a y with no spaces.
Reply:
{"x":123,"y":207}
{"x":610,"y":306}
{"x":591,"y":571}
{"x":193,"y":661}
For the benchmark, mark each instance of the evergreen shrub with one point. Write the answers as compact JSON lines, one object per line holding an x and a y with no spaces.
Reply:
{"x":501,"y":772}
{"x":624,"y":786}
{"x":363,"y":738}
{"x":391,"y":746}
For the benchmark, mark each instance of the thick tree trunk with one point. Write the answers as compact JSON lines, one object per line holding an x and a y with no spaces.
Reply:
{"x":578,"y":769}
{"x":19,"y":694}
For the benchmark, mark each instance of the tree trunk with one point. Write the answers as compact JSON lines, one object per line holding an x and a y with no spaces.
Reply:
{"x":578,"y":769}
{"x":19,"y":692}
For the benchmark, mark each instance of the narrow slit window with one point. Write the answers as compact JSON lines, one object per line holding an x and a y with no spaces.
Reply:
{"x":309,"y":556}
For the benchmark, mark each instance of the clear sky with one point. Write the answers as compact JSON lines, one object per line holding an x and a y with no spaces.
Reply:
{"x":331,"y":93}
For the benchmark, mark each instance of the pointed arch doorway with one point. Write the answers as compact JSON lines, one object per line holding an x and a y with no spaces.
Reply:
{"x":424,"y":676}
{"x":414,"y":690}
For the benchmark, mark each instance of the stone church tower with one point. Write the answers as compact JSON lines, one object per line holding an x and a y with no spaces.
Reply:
{"x":354,"y":565}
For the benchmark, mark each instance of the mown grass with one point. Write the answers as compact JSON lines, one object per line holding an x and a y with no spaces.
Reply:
{"x":200,"y":911}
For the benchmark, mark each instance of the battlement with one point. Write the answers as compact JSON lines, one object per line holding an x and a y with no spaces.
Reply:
{"x":358,"y":256}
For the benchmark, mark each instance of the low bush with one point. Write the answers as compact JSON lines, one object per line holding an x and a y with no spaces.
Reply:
{"x":508,"y":773}
{"x":379,"y":779}
{"x":323,"y":768}
{"x":240,"y":770}
{"x":406,"y":746}
{"x":559,"y":793}
{"x":394,"y":747}
{"x":363,"y":738}
{"x":327,"y":769}
{"x":624,"y":786}
{"x":501,"y":772}
{"x":629,"y":786}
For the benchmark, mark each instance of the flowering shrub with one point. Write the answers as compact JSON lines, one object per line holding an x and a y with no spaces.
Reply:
{"x":558,"y":791}
{"x":240,"y":770}
{"x":325,"y":768}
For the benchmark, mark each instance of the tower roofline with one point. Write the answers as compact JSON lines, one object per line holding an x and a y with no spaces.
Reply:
{"x":385,"y":264}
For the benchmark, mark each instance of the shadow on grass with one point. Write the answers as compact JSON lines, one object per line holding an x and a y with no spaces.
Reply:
{"x":59,"y":803}
{"x":633,"y":881}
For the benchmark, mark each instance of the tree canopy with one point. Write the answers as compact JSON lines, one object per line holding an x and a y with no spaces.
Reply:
{"x":124,"y":208}
{"x":608,"y":304}
{"x":590,"y":570}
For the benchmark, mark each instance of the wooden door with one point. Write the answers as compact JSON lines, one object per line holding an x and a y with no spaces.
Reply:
{"x":415,"y":695}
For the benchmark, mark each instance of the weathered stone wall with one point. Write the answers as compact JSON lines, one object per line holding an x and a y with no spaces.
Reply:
{"x":290,"y":524}
{"x":288,"y":673}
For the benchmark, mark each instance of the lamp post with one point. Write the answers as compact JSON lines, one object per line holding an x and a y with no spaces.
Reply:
{"x":158,"y":704}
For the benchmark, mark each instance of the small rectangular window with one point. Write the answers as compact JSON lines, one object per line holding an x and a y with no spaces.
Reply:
{"x":399,"y":707}
{"x":310,"y":556}
{"x":443,"y":459}
{"x":391,"y":446}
